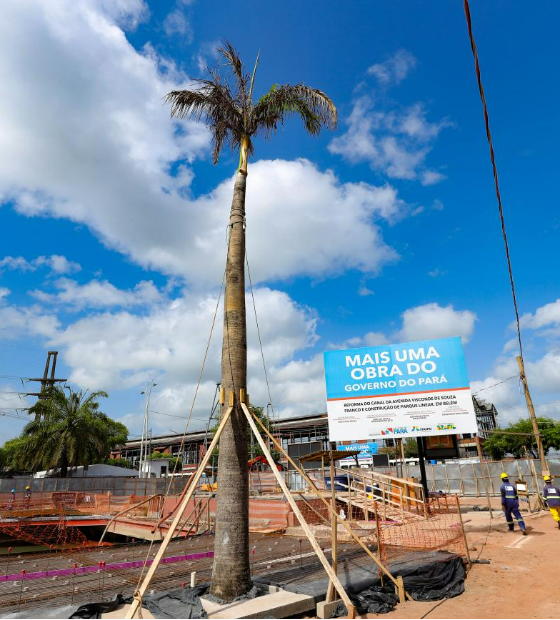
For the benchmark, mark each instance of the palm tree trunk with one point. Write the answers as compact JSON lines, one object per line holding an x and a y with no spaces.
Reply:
{"x":231,"y":574}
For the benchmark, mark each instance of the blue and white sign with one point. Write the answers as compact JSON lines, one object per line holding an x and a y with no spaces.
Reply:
{"x":366,"y":450}
{"x":400,"y":390}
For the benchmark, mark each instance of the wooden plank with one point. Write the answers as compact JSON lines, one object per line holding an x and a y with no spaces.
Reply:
{"x":137,"y":600}
{"x":299,"y":516}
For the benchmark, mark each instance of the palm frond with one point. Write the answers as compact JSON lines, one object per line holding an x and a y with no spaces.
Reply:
{"x":234,"y":62}
{"x":313,"y":106}
{"x":213,"y":103}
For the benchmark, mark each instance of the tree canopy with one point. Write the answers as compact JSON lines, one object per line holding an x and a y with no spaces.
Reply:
{"x":69,"y":430}
{"x":499,"y":445}
{"x":225,"y":103}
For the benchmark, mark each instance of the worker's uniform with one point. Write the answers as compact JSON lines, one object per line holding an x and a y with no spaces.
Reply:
{"x":552,"y":495}
{"x":510,"y":505}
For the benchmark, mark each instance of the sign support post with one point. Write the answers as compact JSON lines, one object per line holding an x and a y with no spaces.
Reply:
{"x":421,"y":462}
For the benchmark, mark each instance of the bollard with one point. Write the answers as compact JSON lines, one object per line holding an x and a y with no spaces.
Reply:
{"x":193,"y":579}
{"x":21,"y":589}
{"x":8,"y":560}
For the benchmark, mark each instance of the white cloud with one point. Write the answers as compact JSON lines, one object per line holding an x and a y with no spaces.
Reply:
{"x":545,"y":316}
{"x":28,"y":321}
{"x":542,"y":367}
{"x":99,"y":294}
{"x":435,"y":321}
{"x":395,"y":69}
{"x":56,"y":263}
{"x":177,"y":23}
{"x":394,"y":142}
{"x":101,"y":150}
{"x":119,"y":350}
{"x":4,"y":292}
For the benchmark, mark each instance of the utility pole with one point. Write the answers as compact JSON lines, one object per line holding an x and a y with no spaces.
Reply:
{"x":144,"y":440}
{"x":46,"y":382}
{"x":532,"y":415}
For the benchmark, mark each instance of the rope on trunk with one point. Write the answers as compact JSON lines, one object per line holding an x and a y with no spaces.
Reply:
{"x":258,"y":327}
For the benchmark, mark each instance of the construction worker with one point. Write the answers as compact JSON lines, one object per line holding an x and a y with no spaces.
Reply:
{"x":510,"y":504}
{"x":551,"y":496}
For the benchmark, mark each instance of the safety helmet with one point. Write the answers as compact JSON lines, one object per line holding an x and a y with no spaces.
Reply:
{"x":504,"y":476}
{"x":547,"y":479}
{"x":27,"y":488}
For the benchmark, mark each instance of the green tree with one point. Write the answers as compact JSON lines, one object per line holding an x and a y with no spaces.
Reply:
{"x":499,"y":445}
{"x":68,"y":431}
{"x":224,"y":102}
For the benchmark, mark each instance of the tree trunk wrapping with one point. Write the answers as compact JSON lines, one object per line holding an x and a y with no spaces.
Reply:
{"x":231,"y":574}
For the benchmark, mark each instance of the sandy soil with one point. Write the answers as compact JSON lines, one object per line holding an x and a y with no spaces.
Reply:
{"x":521,"y":581}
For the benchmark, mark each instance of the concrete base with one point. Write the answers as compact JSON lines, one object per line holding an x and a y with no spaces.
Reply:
{"x":277,"y":604}
{"x":324,"y":609}
{"x":121,"y":612}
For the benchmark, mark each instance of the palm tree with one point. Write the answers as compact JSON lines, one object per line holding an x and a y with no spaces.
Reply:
{"x":225,"y":103}
{"x":68,"y":431}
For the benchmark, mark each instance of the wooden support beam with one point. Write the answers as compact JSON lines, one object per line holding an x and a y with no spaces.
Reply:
{"x":141,"y":591}
{"x":293,"y":504}
{"x":312,"y":486}
{"x":334,"y":533}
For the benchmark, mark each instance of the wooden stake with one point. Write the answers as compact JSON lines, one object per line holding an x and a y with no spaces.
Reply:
{"x":293,"y":504}
{"x":138,"y":595}
{"x":334,"y":532}
{"x":532,"y":415}
{"x":463,"y":530}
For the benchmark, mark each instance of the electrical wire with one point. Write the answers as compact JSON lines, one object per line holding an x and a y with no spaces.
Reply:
{"x":494,"y":169}
{"x":495,"y":384}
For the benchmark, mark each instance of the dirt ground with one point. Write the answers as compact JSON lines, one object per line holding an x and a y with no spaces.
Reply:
{"x":521,"y":581}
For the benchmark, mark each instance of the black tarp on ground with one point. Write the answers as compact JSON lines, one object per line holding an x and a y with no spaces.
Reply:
{"x":427,"y":576}
{"x":177,"y":603}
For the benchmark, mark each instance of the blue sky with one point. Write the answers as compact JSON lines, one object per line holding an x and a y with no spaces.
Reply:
{"x":385,"y":230}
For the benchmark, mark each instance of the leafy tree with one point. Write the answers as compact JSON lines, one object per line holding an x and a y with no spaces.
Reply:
{"x":173,"y":460}
{"x":68,"y":431}
{"x":499,"y":445}
{"x":119,"y":462}
{"x":224,"y":102}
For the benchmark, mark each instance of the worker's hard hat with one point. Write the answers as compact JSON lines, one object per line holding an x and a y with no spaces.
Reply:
{"x":504,"y":476}
{"x":547,"y":479}
{"x":27,"y":487}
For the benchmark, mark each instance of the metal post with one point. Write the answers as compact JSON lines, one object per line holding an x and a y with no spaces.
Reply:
{"x":421,"y":455}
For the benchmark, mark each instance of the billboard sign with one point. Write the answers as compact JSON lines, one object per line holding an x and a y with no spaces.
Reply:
{"x":412,"y":389}
{"x":366,"y":450}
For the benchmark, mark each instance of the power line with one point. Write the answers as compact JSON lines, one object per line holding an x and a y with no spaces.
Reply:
{"x":495,"y":384}
{"x":494,"y":169}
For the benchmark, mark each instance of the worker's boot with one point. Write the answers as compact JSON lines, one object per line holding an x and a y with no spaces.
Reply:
{"x":524,"y":532}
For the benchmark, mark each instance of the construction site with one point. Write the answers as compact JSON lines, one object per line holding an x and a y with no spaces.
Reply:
{"x":371,"y":473}
{"x":389,"y":546}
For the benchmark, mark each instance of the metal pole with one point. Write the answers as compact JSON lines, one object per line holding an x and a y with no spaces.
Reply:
{"x":421,"y":455}
{"x":144,"y":441}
